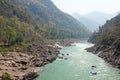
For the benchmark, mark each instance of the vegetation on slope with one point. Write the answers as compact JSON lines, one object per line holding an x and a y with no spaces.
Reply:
{"x":107,"y":39}
{"x":45,"y":12}
{"x":34,"y":21}
{"x":108,"y":34}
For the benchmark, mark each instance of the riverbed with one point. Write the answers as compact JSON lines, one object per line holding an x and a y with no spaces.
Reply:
{"x":76,"y":65}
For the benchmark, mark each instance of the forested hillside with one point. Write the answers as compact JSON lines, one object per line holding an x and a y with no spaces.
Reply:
{"x":26,"y":22}
{"x":44,"y":19}
{"x":107,"y":41}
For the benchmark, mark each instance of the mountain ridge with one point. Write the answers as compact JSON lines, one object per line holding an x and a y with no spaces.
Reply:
{"x":44,"y":19}
{"x":90,"y":24}
{"x":100,"y":17}
{"x":94,"y":19}
{"x":54,"y":15}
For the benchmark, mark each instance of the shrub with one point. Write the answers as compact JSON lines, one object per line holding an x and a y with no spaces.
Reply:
{"x":6,"y":76}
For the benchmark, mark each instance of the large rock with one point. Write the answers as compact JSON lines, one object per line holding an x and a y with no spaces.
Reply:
{"x":30,"y":76}
{"x":24,"y":62}
{"x":38,"y":63}
{"x":24,"y":68}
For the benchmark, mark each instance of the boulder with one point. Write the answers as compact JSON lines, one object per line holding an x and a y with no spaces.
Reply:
{"x":23,"y":62}
{"x":14,"y":65}
{"x":30,"y":76}
{"x":24,"y":68}
{"x":38,"y":63}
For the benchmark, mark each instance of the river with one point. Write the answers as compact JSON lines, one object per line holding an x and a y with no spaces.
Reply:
{"x":77,"y":66}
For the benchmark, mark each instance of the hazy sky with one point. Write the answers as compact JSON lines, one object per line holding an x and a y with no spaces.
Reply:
{"x":87,"y":6}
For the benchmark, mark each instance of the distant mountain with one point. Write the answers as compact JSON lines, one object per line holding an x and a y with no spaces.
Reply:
{"x":90,"y":24}
{"x":93,"y":20}
{"x":107,"y":41}
{"x":99,"y":17}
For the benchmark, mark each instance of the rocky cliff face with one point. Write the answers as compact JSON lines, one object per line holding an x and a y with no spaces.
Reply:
{"x":107,"y":41}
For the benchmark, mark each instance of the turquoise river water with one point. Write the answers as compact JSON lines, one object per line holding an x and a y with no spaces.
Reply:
{"x":78,"y":66}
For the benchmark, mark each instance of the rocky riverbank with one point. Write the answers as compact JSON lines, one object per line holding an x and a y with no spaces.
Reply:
{"x":109,"y":55}
{"x":28,"y":65}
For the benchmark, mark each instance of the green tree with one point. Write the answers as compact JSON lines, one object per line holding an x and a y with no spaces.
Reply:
{"x":2,"y":22}
{"x":10,"y":35}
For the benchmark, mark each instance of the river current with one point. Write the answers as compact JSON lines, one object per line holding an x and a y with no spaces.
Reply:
{"x":77,"y":66}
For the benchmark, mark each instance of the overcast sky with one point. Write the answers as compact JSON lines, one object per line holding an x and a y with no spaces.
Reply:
{"x":87,"y":6}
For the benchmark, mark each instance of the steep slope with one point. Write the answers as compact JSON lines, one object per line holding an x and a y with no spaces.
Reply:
{"x":47,"y":12}
{"x":15,"y":26}
{"x":90,"y":24}
{"x":107,"y":41}
{"x":36,"y":20}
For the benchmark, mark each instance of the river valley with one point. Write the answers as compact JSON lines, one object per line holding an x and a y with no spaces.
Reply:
{"x":77,"y":66}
